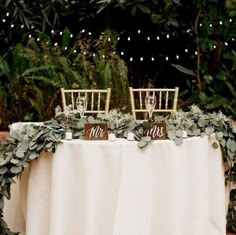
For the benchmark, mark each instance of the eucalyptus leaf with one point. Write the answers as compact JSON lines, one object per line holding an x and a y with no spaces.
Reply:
{"x":5,"y":160}
{"x":33,"y":156}
{"x":15,"y":161}
{"x":178,"y":141}
{"x":142,"y":143}
{"x":3,"y":170}
{"x":209,"y":130}
{"x":219,"y":135}
{"x":171,"y":135}
{"x":179,"y":133}
{"x":197,"y":132}
{"x":15,"y":170}
{"x":1,"y":203}
{"x":233,"y":146}
{"x":222,"y":143}
{"x":91,"y":119}
{"x":19,"y":154}
{"x":215,"y":145}
{"x":146,"y":139}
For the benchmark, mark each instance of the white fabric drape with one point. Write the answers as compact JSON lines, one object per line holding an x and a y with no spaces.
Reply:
{"x":115,"y":188}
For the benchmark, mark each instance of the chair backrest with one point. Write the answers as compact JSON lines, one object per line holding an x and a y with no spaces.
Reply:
{"x":166,"y":99}
{"x":98,"y":99}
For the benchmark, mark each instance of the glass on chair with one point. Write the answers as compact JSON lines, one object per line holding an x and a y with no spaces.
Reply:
{"x":81,"y":105}
{"x":150,"y":103}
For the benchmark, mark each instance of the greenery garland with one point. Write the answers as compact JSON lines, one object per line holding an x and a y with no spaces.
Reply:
{"x":26,"y":143}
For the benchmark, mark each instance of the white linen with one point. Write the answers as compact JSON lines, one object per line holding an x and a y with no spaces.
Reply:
{"x":115,"y":188}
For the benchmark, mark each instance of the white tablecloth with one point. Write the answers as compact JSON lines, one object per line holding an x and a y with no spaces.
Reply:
{"x":115,"y":188}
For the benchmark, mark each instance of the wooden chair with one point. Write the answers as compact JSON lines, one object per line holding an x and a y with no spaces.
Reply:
{"x":166,"y":99}
{"x":98,"y":99}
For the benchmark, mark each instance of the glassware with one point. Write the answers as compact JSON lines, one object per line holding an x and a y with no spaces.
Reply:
{"x":81,"y":105}
{"x":150,"y":103}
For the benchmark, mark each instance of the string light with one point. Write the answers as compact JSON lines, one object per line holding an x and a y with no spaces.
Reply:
{"x":12,"y":25}
{"x":167,"y":58}
{"x":168,"y":36}
{"x":84,"y":53}
{"x":109,"y":39}
{"x":139,"y":31}
{"x":83,"y":31}
{"x":226,"y":44}
{"x":141,"y":58}
{"x":122,"y":53}
{"x":186,"y":50}
{"x":3,"y":20}
{"x":38,"y":39}
{"x":177,"y":57}
{"x":214,"y":46}
{"x":128,"y":38}
{"x":7,"y":14}
{"x":52,"y":31}
{"x":89,"y":33}
{"x":230,"y":20}
{"x":22,"y":26}
{"x":30,"y":35}
{"x":94,"y":54}
{"x":220,"y":22}
{"x":74,"y":51}
{"x":118,"y":38}
{"x":158,"y":38}
{"x":152,"y":59}
{"x":188,"y":30}
{"x":210,"y":25}
{"x":131,"y":59}
{"x":200,"y":25}
{"x":71,"y":35}
{"x":65,"y":48}
{"x":32,"y":27}
{"x":61,"y":33}
{"x":195,"y":52}
{"x":55,"y":44}
{"x":103,"y":56}
{"x":232,"y":39}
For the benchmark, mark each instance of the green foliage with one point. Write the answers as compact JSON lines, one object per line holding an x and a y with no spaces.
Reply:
{"x":25,"y":144}
{"x":32,"y":75}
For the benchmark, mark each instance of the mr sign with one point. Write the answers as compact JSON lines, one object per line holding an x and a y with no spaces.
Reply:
{"x":157,"y":131}
{"x":95,"y":131}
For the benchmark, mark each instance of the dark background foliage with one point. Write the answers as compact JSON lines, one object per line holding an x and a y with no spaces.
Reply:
{"x":196,"y":50}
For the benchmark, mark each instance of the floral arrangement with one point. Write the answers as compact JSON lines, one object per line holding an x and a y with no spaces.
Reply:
{"x":26,"y":143}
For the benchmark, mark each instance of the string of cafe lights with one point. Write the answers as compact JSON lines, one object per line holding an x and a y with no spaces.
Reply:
{"x":125,"y":37}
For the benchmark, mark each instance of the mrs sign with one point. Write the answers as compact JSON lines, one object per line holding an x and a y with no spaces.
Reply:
{"x":157,"y":131}
{"x":95,"y":131}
